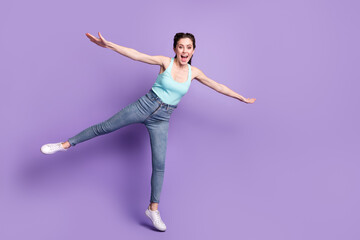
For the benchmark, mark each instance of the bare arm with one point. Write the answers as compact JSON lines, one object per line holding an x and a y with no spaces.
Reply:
{"x":127,"y":52}
{"x":221,"y":88}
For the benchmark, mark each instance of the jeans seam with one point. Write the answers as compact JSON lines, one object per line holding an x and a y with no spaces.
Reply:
{"x":153,"y":112}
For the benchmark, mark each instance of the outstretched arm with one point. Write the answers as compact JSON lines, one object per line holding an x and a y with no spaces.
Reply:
{"x":127,"y":52}
{"x":221,"y":88}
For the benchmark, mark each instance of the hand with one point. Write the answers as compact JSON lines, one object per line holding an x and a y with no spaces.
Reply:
{"x":249,"y":100}
{"x":99,"y":41}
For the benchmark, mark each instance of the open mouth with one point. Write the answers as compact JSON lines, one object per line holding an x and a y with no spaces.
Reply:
{"x":184,"y":57}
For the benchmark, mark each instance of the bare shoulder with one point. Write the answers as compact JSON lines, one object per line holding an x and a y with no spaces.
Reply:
{"x":196,"y":73}
{"x":165,"y":62}
{"x":202,"y":78}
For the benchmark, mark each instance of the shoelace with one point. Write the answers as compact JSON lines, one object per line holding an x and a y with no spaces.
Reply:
{"x":55,"y":147}
{"x":157,"y":217}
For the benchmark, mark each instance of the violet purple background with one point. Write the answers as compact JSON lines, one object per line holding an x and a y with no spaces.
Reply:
{"x":283,"y":168}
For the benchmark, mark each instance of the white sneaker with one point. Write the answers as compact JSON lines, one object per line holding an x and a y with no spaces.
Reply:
{"x":51,"y":148}
{"x":156,"y":219}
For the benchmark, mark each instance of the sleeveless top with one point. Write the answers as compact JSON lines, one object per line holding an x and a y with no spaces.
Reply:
{"x":169,"y":90}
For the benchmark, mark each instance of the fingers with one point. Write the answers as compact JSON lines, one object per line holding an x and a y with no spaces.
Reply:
{"x":91,"y":37}
{"x":101,"y":37}
{"x":250,"y":100}
{"x":95,"y":39}
{"x":98,"y":41}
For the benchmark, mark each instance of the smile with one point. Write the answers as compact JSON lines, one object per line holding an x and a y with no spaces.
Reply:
{"x":184,"y":57}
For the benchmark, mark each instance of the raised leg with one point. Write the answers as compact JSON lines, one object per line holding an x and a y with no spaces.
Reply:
{"x":124,"y":117}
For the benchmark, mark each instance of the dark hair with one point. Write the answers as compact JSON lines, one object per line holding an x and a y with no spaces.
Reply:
{"x":181,"y":35}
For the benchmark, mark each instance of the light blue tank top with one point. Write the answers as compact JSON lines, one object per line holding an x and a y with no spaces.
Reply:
{"x":169,"y":90}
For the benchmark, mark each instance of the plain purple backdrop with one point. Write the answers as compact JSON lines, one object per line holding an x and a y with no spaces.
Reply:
{"x":283,"y":168}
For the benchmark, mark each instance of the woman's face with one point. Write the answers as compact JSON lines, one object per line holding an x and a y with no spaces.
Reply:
{"x":184,"y":50}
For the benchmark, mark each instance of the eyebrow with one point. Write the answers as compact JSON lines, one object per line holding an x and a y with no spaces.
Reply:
{"x":187,"y":45}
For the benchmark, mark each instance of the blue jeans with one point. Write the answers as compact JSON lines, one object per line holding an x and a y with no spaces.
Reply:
{"x":151,"y":111}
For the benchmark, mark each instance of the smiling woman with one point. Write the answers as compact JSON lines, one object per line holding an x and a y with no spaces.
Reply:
{"x":183,"y":41}
{"x":152,"y":109}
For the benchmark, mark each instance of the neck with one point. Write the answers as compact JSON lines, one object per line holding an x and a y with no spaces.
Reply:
{"x":178,"y":64}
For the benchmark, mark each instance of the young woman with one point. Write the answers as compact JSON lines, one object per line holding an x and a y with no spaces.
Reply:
{"x":154,"y":108}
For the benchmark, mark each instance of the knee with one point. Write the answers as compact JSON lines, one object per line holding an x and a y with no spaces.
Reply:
{"x":102,"y":128}
{"x":159,"y":166}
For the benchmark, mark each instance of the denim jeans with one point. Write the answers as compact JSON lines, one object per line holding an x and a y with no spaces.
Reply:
{"x":151,"y":111}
